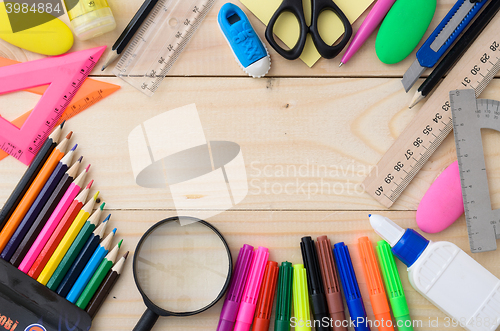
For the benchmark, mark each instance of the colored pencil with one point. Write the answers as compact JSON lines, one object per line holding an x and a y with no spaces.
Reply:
{"x":85,"y":234}
{"x":32,"y":192}
{"x":75,"y":213}
{"x":98,"y":277}
{"x":105,"y":287}
{"x":51,"y":224}
{"x":67,"y":241}
{"x":44,"y":216}
{"x":89,"y":269}
{"x":30,"y":174}
{"x":91,"y":246}
{"x":38,"y":205}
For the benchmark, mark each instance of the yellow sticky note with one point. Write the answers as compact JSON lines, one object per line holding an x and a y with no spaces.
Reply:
{"x":287,"y":28}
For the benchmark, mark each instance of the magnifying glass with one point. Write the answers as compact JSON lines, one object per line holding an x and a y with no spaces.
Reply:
{"x":182,"y":267}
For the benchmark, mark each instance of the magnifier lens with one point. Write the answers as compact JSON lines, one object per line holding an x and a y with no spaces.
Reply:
{"x":182,"y":269}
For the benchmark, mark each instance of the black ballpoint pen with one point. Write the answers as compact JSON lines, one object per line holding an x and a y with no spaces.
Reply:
{"x":129,"y":31}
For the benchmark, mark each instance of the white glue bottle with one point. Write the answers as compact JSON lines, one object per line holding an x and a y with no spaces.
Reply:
{"x":445,"y":275}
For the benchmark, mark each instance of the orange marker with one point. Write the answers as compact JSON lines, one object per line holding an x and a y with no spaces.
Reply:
{"x":35,"y":188}
{"x":266,"y":297}
{"x":376,"y":289}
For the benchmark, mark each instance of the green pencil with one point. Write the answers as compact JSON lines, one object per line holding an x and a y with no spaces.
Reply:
{"x":75,"y":249}
{"x":98,"y":277}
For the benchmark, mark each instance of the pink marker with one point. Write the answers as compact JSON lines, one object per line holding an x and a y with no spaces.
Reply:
{"x":53,"y":221}
{"x":376,"y":15}
{"x":252,"y":288}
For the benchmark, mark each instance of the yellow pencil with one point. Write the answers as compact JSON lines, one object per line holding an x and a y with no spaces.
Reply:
{"x":66,"y":242}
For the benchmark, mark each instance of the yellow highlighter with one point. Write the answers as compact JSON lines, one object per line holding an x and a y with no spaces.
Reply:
{"x":301,"y":321}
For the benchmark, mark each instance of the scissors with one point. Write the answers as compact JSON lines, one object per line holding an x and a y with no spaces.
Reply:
{"x":318,"y":6}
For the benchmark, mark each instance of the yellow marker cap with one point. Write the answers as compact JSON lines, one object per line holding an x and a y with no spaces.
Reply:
{"x":302,"y":313}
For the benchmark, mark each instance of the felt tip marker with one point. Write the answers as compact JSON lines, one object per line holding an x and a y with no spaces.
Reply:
{"x":301,"y":321}
{"x":284,"y":297}
{"x":266,"y":298}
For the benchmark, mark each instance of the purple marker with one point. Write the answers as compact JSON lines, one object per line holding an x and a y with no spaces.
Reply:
{"x":235,"y":291}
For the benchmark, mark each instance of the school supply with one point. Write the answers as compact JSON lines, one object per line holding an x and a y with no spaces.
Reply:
{"x":350,"y":287}
{"x":329,"y":26}
{"x":443,"y":36}
{"x":235,"y":291}
{"x":442,"y":204}
{"x":252,"y":288}
{"x":456,"y":52}
{"x":445,"y":275}
{"x":284,"y":297}
{"x":161,"y":39}
{"x":315,"y":288}
{"x":433,"y":122}
{"x":29,"y":175}
{"x":90,"y":19}
{"x":266,"y":298}
{"x":331,"y":283}
{"x":403,"y":28}
{"x":301,"y":319}
{"x":65,"y":74}
{"x":105,"y":287}
{"x":469,"y":117}
{"x":375,"y":285}
{"x":394,"y":287}
{"x":248,"y":50}
{"x":369,"y":25}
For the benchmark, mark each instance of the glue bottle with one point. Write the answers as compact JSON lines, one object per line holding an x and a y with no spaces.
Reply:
{"x":446,"y":276}
{"x":90,"y":18}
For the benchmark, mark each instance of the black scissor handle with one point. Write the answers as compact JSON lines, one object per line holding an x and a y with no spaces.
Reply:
{"x":325,"y":50}
{"x":294,"y":7}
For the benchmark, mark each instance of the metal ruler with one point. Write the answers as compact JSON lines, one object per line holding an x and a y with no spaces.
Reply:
{"x":159,"y":41}
{"x":469,"y":117}
{"x":433,"y":122}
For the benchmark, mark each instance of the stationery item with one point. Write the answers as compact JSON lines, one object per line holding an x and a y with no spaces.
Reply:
{"x":65,"y":74}
{"x":31,"y":194}
{"x":369,"y":25}
{"x":394,"y":287}
{"x":351,"y":288}
{"x":90,"y":19}
{"x":442,"y":204}
{"x":456,"y":52}
{"x":402,"y":29}
{"x":266,"y":298}
{"x":50,"y":37}
{"x":247,"y":48}
{"x":329,"y":26}
{"x":158,"y":43}
{"x":43,"y":217}
{"x":80,"y":259}
{"x":445,"y":275}
{"x":98,"y":277}
{"x":106,"y":286}
{"x":90,"y":268}
{"x":317,"y":297}
{"x":443,"y":36}
{"x":52,"y":223}
{"x":375,"y":285}
{"x":301,"y":319}
{"x":29,"y":176}
{"x":331,"y":283}
{"x":469,"y":117}
{"x":433,"y":121}
{"x":252,"y":288}
{"x":284,"y":298}
{"x":179,"y":243}
{"x":235,"y":291}
{"x":81,"y":223}
{"x":129,"y":31}
{"x":75,"y":213}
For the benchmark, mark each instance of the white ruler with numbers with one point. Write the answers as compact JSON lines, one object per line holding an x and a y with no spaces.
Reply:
{"x":433,"y":122}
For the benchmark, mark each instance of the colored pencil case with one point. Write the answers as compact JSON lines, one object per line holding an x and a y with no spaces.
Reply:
{"x":26,"y":304}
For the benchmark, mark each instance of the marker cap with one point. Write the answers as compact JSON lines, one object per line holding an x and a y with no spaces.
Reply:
{"x":301,"y":298}
{"x":266,"y":297}
{"x":284,"y":297}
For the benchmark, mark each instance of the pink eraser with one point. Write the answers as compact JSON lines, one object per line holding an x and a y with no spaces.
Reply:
{"x":442,"y":204}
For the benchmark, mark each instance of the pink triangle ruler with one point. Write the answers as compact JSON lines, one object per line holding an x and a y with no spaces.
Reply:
{"x":64,"y":74}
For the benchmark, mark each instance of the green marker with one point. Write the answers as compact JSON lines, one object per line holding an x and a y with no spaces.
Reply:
{"x":284,"y":298}
{"x":393,"y":287}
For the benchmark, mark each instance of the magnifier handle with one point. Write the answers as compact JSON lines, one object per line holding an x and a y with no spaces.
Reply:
{"x":147,"y":321}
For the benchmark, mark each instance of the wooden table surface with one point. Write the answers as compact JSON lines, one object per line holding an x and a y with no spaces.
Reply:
{"x":325,"y":117}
